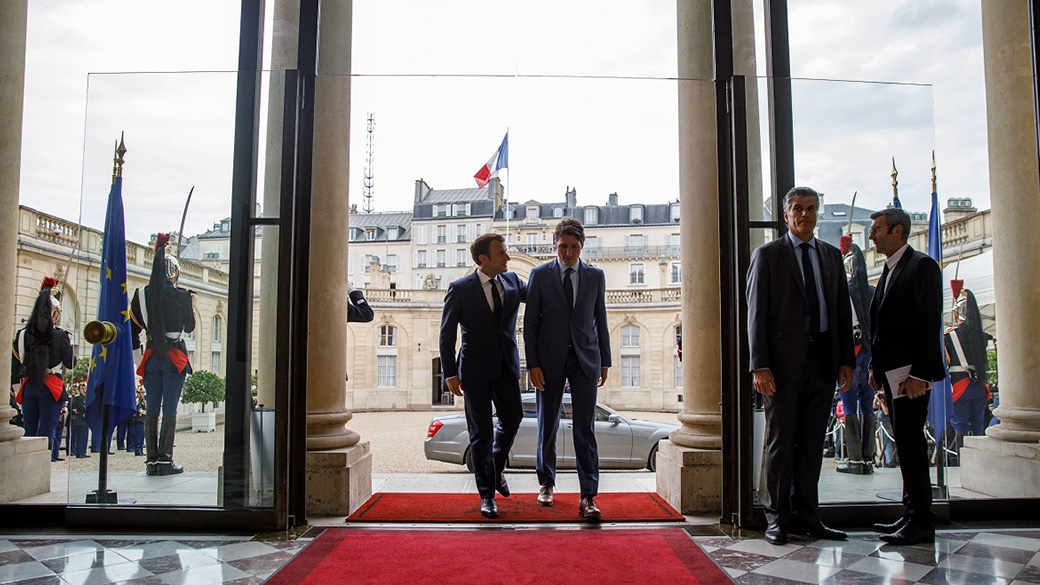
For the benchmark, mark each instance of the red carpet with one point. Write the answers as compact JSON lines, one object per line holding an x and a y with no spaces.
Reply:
{"x":444,"y":508}
{"x":537,"y":557}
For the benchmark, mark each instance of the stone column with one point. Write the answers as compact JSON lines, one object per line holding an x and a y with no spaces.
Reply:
{"x":689,"y":464}
{"x":1006,"y":463}
{"x":339,"y":466}
{"x":25,"y":460}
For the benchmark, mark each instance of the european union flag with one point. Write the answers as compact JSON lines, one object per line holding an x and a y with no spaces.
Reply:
{"x":110,"y":379}
{"x":940,"y":403}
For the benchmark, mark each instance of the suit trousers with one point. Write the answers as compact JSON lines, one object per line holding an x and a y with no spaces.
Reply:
{"x":908,"y":418}
{"x":583,"y":418}
{"x":489,"y":444}
{"x":796,"y":425}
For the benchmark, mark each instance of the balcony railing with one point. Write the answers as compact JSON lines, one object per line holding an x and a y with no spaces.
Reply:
{"x":435,"y":298}
{"x":645,"y":252}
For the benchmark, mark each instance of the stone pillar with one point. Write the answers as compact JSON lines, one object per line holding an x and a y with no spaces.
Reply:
{"x":25,"y":460}
{"x":689,"y":464}
{"x":1006,"y":463}
{"x":339,"y":466}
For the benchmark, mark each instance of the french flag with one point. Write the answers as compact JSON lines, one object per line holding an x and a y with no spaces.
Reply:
{"x":498,"y":161}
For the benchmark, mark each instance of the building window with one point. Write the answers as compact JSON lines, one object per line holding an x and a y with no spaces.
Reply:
{"x":214,"y":362}
{"x":532,"y":215}
{"x":440,"y":210}
{"x":386,"y":371}
{"x":673,"y":243}
{"x":387,"y":336}
{"x":676,"y":273}
{"x":629,"y":371}
{"x":442,"y":234}
{"x":217,"y":325}
{"x":636,"y":243}
{"x":630,"y":356}
{"x":591,"y":215}
{"x":635,"y":214}
{"x":369,"y":259}
{"x":675,"y":211}
{"x":636,"y":274}
{"x":442,"y":258}
{"x":370,"y":234}
{"x":421,"y":262}
{"x":460,"y":209}
{"x":460,"y":257}
{"x":391,"y":262}
{"x":532,"y":243}
{"x":460,"y":234}
{"x":557,"y":212}
{"x":480,"y":228}
{"x":675,"y":357}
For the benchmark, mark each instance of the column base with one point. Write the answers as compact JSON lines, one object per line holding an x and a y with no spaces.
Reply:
{"x":999,"y":468}
{"x":339,"y":480}
{"x":690,"y":480}
{"x":27,"y":468}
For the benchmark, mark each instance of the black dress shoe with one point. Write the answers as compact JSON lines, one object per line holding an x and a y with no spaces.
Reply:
{"x":891,"y":528}
{"x":908,"y":535}
{"x":502,"y":486}
{"x":816,"y":529}
{"x":587,"y":509}
{"x":853,"y":468}
{"x":775,"y":534}
{"x":488,"y":508}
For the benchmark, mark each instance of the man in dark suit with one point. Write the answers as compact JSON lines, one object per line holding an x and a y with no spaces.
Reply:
{"x":800,"y":333}
{"x":487,"y":370}
{"x":906,"y":335}
{"x":567,"y":342}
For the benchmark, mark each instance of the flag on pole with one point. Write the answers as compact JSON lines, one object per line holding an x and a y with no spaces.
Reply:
{"x":940,"y":403}
{"x":898,"y":205}
{"x":497,"y":162}
{"x":110,"y":379}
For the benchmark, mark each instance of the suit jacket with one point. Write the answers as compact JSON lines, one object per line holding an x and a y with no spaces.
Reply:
{"x":550,"y":325}
{"x":907,"y":322}
{"x":778,"y":311}
{"x":487,"y":343}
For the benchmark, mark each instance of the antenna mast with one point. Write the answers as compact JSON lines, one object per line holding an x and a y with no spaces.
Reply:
{"x":369,"y":170}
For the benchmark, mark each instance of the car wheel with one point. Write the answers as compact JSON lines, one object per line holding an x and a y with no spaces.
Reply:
{"x":651,"y":461}
{"x":469,"y":462}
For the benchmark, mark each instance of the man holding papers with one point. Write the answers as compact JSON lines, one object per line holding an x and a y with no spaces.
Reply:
{"x":906,"y":330}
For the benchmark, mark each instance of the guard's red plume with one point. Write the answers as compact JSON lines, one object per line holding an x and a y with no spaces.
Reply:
{"x":956,"y":285}
{"x":49,"y":282}
{"x":845,"y":244}
{"x":161,"y":240}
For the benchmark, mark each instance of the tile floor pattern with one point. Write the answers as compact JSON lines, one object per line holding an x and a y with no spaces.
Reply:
{"x":1007,"y":557}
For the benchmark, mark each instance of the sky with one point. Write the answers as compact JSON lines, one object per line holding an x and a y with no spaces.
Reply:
{"x":586,"y":90}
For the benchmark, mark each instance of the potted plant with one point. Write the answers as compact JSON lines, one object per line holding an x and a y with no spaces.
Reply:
{"x":203,"y":387}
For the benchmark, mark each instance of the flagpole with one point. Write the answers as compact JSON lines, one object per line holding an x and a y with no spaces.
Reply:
{"x":506,"y":190}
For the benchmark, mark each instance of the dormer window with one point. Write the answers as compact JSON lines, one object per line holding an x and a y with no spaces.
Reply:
{"x":557,"y":212}
{"x":635,"y":214}
{"x":591,"y":215}
{"x":532,"y":214}
{"x":674,"y":211}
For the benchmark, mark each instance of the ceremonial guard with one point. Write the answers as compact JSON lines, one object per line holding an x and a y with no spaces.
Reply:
{"x":136,"y":435}
{"x":164,"y":311}
{"x":858,"y":401}
{"x":78,"y":426}
{"x":40,"y":351}
{"x":966,"y":354}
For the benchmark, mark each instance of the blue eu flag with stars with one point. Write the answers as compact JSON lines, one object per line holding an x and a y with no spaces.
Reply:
{"x":110,"y":381}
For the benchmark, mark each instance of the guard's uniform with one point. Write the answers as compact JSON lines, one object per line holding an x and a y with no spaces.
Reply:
{"x":42,"y":398}
{"x":163,"y":373}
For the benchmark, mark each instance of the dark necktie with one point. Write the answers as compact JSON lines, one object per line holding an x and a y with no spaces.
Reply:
{"x":496,"y":298}
{"x":810,"y":290}
{"x":568,"y":287}
{"x":882,"y":284}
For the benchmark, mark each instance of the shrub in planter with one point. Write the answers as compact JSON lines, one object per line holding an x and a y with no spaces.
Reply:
{"x":203,"y":387}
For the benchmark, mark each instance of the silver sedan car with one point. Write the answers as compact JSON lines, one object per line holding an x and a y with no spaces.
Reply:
{"x":623,"y":443}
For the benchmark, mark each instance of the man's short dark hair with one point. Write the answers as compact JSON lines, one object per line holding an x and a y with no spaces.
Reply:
{"x":482,"y":245}
{"x":894,"y":216}
{"x":808,"y":192}
{"x":569,"y":226}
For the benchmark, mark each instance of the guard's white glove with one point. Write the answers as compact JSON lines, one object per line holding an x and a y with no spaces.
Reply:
{"x":350,"y":287}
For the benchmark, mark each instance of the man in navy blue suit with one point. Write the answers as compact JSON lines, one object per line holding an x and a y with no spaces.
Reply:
{"x":487,"y":369}
{"x":567,"y":342}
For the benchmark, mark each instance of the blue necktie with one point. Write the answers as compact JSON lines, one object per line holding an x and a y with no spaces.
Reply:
{"x":568,"y":287}
{"x":810,"y":290}
{"x":496,"y":299}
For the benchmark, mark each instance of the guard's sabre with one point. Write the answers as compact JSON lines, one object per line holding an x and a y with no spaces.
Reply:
{"x":184,"y":216}
{"x":852,"y":210}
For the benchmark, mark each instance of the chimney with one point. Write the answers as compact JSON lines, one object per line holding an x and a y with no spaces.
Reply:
{"x":572,"y":197}
{"x":612,"y":199}
{"x":421,"y":190}
{"x":958,"y":208}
